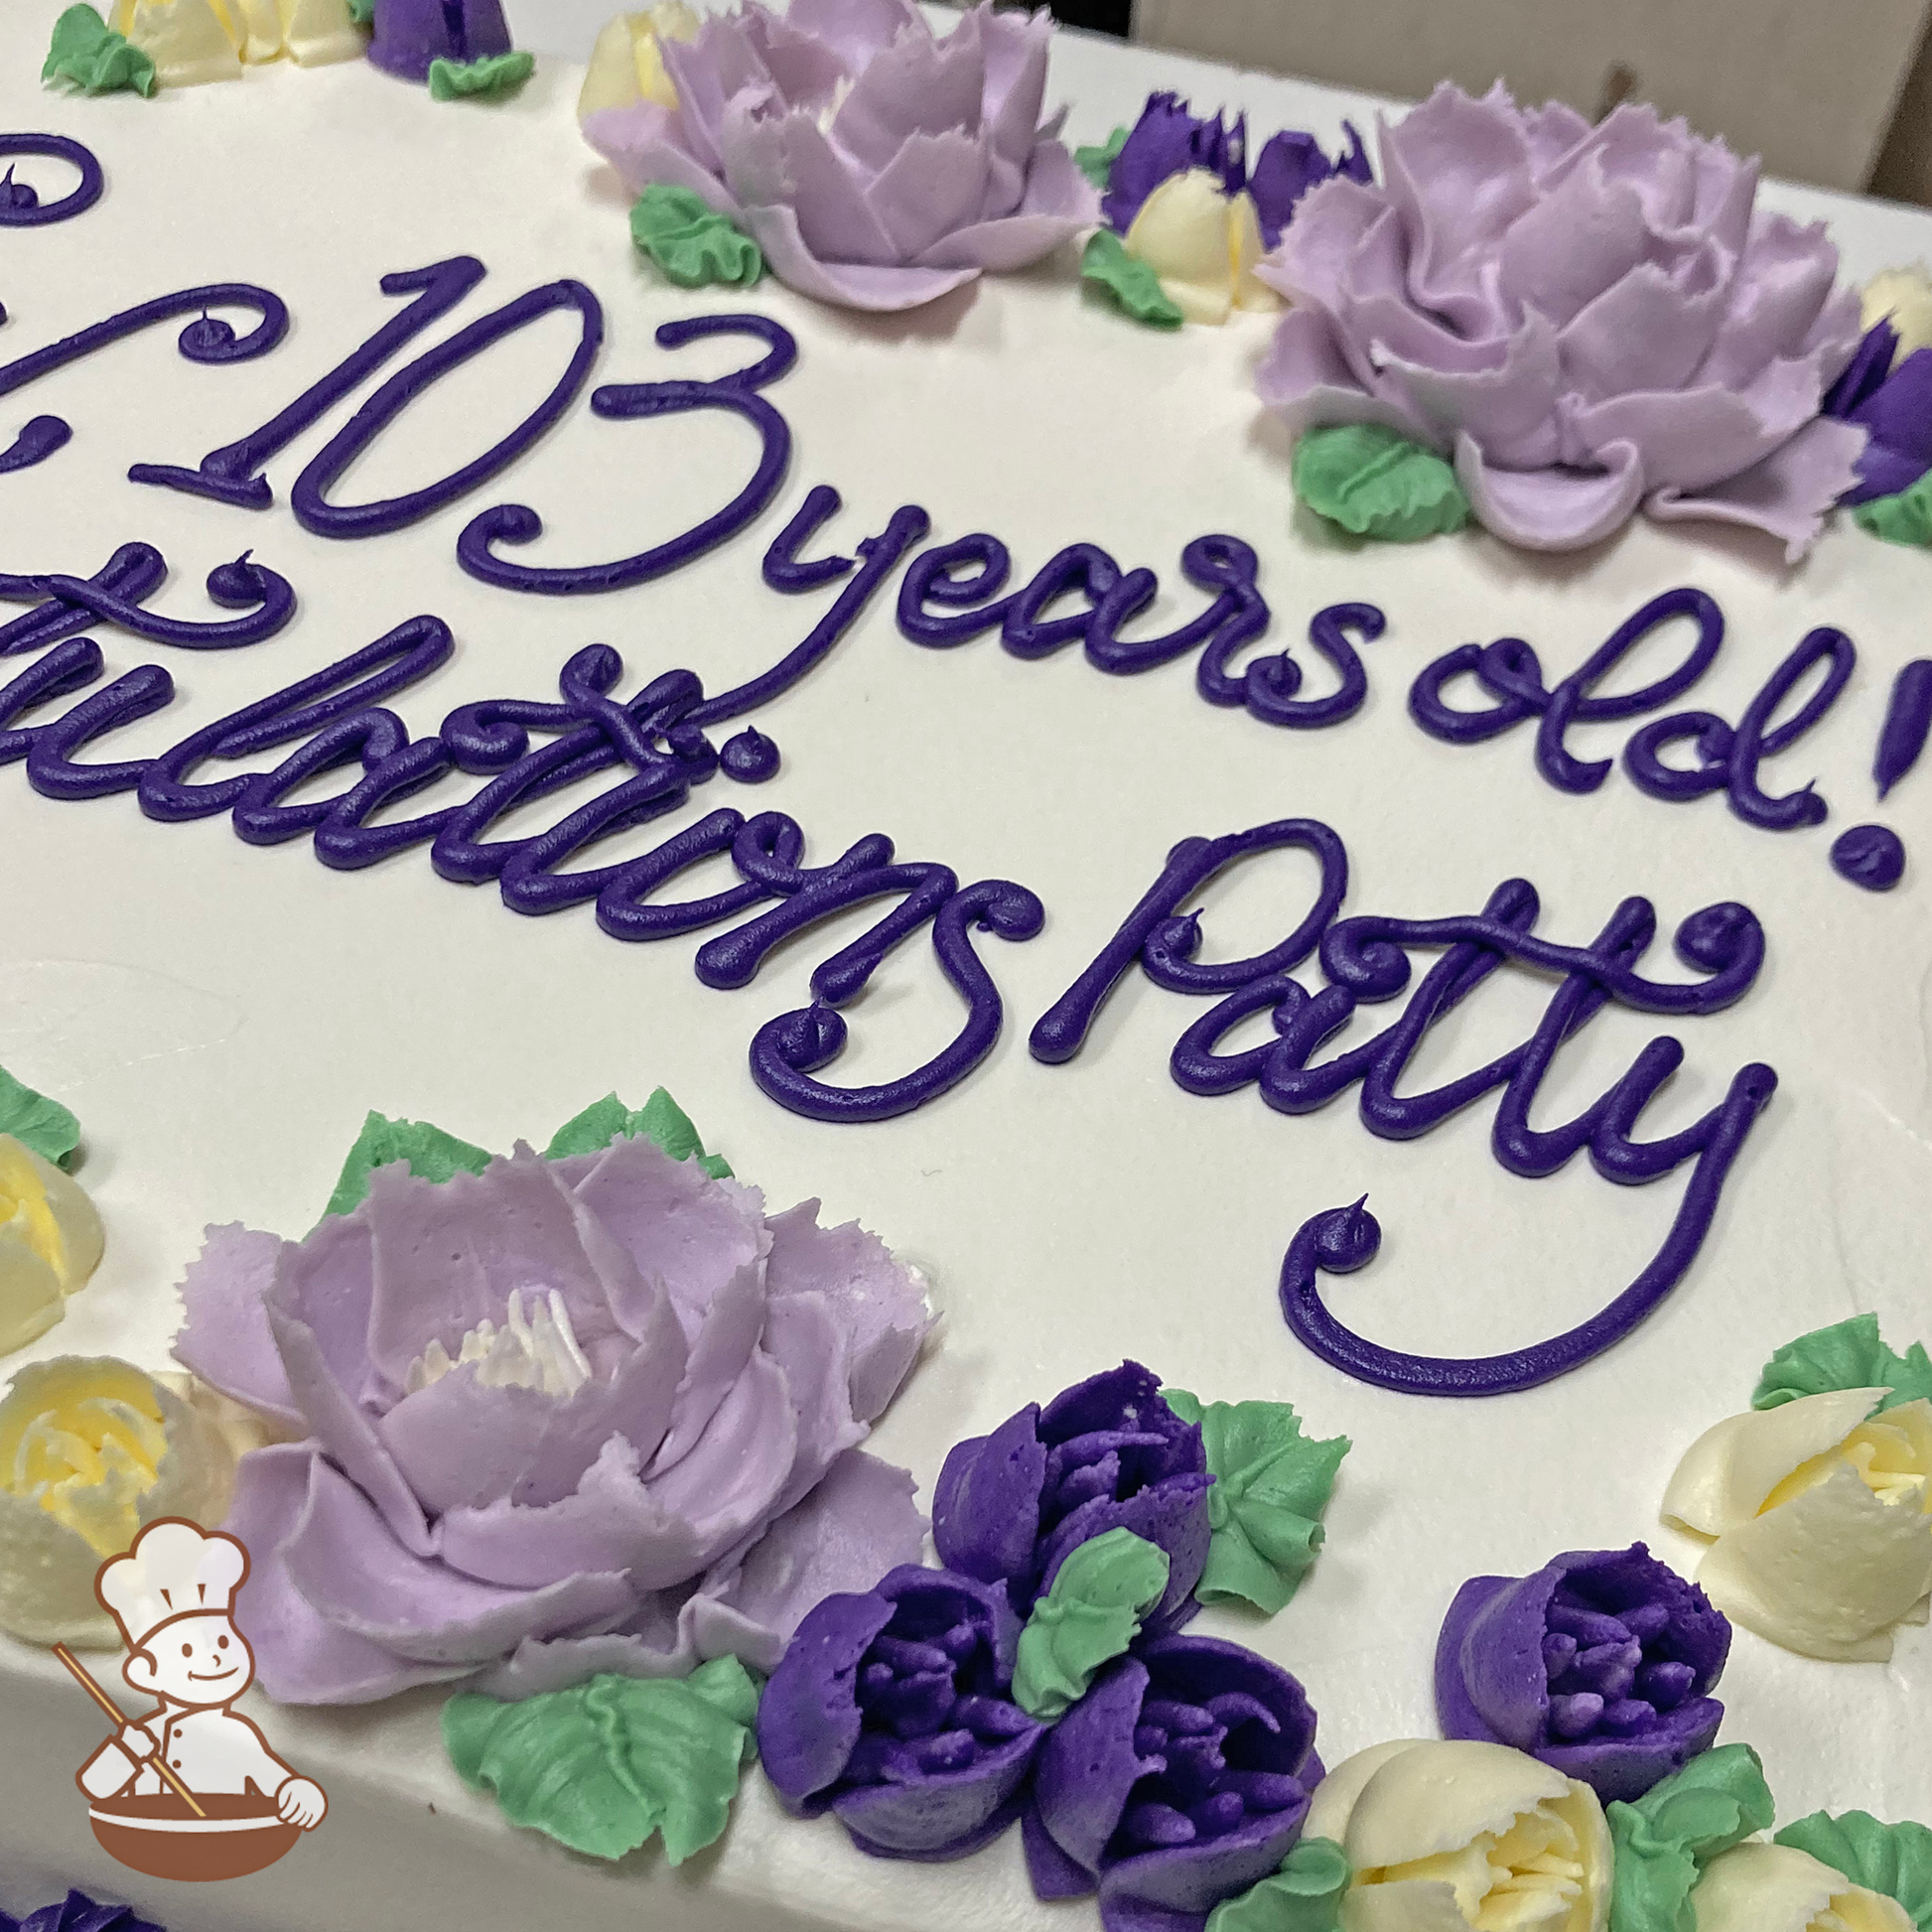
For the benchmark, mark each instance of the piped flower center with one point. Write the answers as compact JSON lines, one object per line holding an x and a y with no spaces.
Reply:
{"x":925,"y":1704}
{"x":89,"y":1457}
{"x":536,"y":1349}
{"x":1610,"y":1673}
{"x":1530,"y":1875}
{"x":1892,"y":1455}
{"x":1201,"y":1792}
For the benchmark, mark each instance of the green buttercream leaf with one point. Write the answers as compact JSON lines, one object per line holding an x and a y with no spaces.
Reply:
{"x":1304,"y":1895}
{"x":1895,"y":1859}
{"x":1097,"y":164}
{"x":1377,"y":483}
{"x":660,"y":1120}
{"x":362,"y":12}
{"x":1088,"y":1618}
{"x":604,"y":1764}
{"x":692,"y":244}
{"x":1847,"y":1356}
{"x":1271,"y":1486}
{"x":36,"y":1121}
{"x":1904,"y":518}
{"x":431,"y":1154}
{"x":491,"y":78}
{"x":88,"y":55}
{"x":1665,"y":1838}
{"x":1133,"y":285}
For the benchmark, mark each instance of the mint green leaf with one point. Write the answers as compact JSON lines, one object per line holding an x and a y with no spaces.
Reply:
{"x":362,"y":12}
{"x":36,"y":1121}
{"x":1904,"y":518}
{"x":1665,"y":1838}
{"x":602,"y":1766}
{"x":1847,"y":1355}
{"x":1097,"y":164}
{"x":1377,"y":483}
{"x":90,"y":56}
{"x":1133,"y":285}
{"x":1272,"y":1485}
{"x":1895,"y":1859}
{"x":1304,"y":1895}
{"x":660,"y":1120}
{"x":431,"y":1154}
{"x":692,"y":244}
{"x":493,"y":77}
{"x":1093,"y":1611}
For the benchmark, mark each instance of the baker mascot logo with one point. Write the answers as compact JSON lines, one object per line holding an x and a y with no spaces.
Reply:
{"x":188,"y":1789}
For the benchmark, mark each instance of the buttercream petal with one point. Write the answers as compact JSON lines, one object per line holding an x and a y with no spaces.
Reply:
{"x":1648,"y":331}
{"x":1827,"y":1573}
{"x":1578,"y":240}
{"x":642,"y":143}
{"x":849,"y":285}
{"x":224,"y":1337}
{"x":786,"y":161}
{"x":858,"y":29}
{"x":1435,"y":1798}
{"x":1014,"y":46}
{"x":933,"y":186}
{"x":1508,"y":408}
{"x":1783,"y":285}
{"x":805,"y":71}
{"x":1335,"y":1796}
{"x":300,"y":1656}
{"x":918,"y":85}
{"x":1552,"y":509}
{"x":359,"y":1578}
{"x":1728,"y":1471}
{"x":696,"y":69}
{"x":1306,"y":379}
{"x":806,"y":1339}
{"x":1787,"y":496}
{"x":461,"y":1444}
{"x":1058,"y":202}
{"x":720,"y":1348}
{"x":539,"y":1665}
{"x":1088,"y":1764}
{"x":879,"y":1302}
{"x":1756,"y":1888}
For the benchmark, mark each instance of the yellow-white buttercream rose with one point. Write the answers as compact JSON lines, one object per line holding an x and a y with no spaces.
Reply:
{"x":626,"y":65}
{"x":1903,"y":297}
{"x":1820,"y":1519}
{"x":1756,"y":1888}
{"x":91,"y":1448}
{"x":191,"y":42}
{"x":1203,"y":246}
{"x":1445,"y":1836}
{"x":50,"y":1243}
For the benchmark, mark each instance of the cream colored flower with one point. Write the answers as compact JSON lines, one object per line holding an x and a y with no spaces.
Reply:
{"x":90,"y":1450}
{"x":1203,"y":246}
{"x":1445,"y":1836}
{"x":1903,"y":297}
{"x":50,"y":1243}
{"x":1778,"y":1888}
{"x":1820,"y":1515}
{"x":191,"y":42}
{"x":626,"y":65}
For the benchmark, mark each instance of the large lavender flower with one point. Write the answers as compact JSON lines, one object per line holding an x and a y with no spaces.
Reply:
{"x":876,"y":165}
{"x":1107,"y":1453}
{"x":1600,"y":1664}
{"x":891,"y":1709}
{"x":597,"y":1413}
{"x":1586,"y":319}
{"x":1181,"y":1778}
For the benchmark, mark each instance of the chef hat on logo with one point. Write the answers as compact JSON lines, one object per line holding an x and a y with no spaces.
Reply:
{"x":174,"y":1570}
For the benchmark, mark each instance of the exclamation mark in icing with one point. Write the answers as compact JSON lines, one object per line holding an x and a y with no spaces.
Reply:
{"x":1873,"y":855}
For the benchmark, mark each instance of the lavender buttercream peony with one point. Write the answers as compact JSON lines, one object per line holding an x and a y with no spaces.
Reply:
{"x":1181,"y":1778}
{"x":596,"y":1414}
{"x":1602,"y":1664}
{"x":1107,"y":1453}
{"x":875,"y":164}
{"x":891,"y":1709}
{"x":1587,"y":320}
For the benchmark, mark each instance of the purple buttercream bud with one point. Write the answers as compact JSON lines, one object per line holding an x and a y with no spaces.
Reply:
{"x":1181,"y":1778}
{"x":891,"y":1709}
{"x":1866,"y":372}
{"x":1600,"y":1664}
{"x":409,"y":34}
{"x":1532,"y":297}
{"x":1898,"y":414}
{"x":1108,"y":1454}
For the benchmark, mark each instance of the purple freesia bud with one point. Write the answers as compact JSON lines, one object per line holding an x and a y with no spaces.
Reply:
{"x":1585,"y":319}
{"x":1181,"y":1778}
{"x":1600,"y":1664}
{"x":891,"y":1709}
{"x":1107,"y":1453}
{"x":409,"y":34}
{"x":875,"y":164}
{"x":1894,"y":405}
{"x":1169,"y":140}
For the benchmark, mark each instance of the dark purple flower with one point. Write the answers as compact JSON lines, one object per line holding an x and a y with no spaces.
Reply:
{"x":77,"y":1912}
{"x":1181,"y":1778}
{"x":1602,"y":1665}
{"x":1107,"y":1453}
{"x":1895,"y":405}
{"x":891,"y":1709}
{"x":1168,"y":140}
{"x":410,"y":34}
